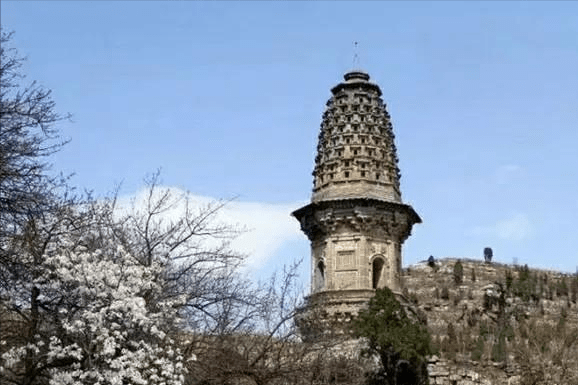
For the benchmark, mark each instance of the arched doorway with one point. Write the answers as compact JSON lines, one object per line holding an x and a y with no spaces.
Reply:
{"x":320,"y":275}
{"x":376,"y":270}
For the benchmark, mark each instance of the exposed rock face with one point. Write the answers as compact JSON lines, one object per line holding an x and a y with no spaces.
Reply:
{"x":445,"y":372}
{"x":482,"y":326}
{"x":356,"y":221}
{"x":485,"y":318}
{"x":502,"y":324}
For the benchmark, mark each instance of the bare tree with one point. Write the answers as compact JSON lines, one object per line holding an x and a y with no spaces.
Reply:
{"x":51,"y":243}
{"x":184,"y":261}
{"x":546,"y":352}
{"x":261,"y":345}
{"x":27,"y":137}
{"x":30,"y":199}
{"x":200,"y":265}
{"x":86,"y":308}
{"x":257,"y":339}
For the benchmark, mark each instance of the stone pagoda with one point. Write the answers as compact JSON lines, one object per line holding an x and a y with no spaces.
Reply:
{"x":356,"y":220}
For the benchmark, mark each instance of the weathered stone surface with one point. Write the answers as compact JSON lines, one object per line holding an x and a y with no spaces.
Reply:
{"x":356,"y":154}
{"x":356,"y":221}
{"x":464,"y":309}
{"x":444,"y":372}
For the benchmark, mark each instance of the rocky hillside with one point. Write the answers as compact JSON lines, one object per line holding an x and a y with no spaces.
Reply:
{"x":496,"y":323}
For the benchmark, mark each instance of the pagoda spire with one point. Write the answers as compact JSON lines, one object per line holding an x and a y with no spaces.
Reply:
{"x":356,"y":154}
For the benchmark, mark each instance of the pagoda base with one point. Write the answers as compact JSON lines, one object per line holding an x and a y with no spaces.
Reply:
{"x":328,"y":314}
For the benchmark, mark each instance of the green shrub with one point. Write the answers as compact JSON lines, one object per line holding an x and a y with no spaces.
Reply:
{"x":478,"y":349}
{"x":458,"y":273}
{"x":445,"y":294}
{"x":396,"y":339}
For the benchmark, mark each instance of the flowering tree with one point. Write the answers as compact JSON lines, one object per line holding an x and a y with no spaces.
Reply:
{"x":91,"y":315}
{"x":94,"y":292}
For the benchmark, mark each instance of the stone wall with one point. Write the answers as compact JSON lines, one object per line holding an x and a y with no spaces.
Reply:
{"x":445,"y":372}
{"x":465,"y":310}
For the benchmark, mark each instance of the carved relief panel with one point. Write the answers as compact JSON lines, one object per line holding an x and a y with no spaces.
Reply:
{"x":346,"y":279}
{"x":345,"y":260}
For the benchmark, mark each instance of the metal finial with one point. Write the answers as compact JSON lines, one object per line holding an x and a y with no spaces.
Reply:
{"x":355,"y":55}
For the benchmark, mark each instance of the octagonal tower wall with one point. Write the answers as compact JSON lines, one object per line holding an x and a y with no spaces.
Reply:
{"x":356,"y":221}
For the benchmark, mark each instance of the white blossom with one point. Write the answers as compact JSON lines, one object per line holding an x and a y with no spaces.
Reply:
{"x":113,"y":332}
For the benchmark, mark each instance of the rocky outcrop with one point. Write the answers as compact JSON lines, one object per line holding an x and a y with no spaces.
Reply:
{"x":480,"y":321}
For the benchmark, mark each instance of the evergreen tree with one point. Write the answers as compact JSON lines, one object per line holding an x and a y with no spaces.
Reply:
{"x":488,"y":254}
{"x":400,"y":343}
{"x":458,"y":273}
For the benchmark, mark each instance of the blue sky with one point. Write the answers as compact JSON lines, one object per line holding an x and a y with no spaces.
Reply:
{"x":227,"y":98}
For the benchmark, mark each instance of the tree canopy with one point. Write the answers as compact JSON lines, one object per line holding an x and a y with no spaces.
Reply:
{"x":401,"y":343}
{"x":93,"y":292}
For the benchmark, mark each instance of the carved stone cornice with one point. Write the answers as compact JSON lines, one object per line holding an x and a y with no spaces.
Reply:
{"x":356,"y":221}
{"x":370,"y":217}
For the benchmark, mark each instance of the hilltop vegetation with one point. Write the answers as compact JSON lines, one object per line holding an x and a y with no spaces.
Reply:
{"x":90,"y":294}
{"x":506,"y":321}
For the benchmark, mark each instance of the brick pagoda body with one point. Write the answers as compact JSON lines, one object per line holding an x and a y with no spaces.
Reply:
{"x":356,"y":221}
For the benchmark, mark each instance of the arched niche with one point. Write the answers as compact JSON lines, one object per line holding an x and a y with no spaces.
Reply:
{"x":377,"y":268}
{"x":320,"y":275}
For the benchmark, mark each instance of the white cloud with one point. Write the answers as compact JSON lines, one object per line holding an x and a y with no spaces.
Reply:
{"x":268,"y":226}
{"x":504,"y":174}
{"x":515,"y":228}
